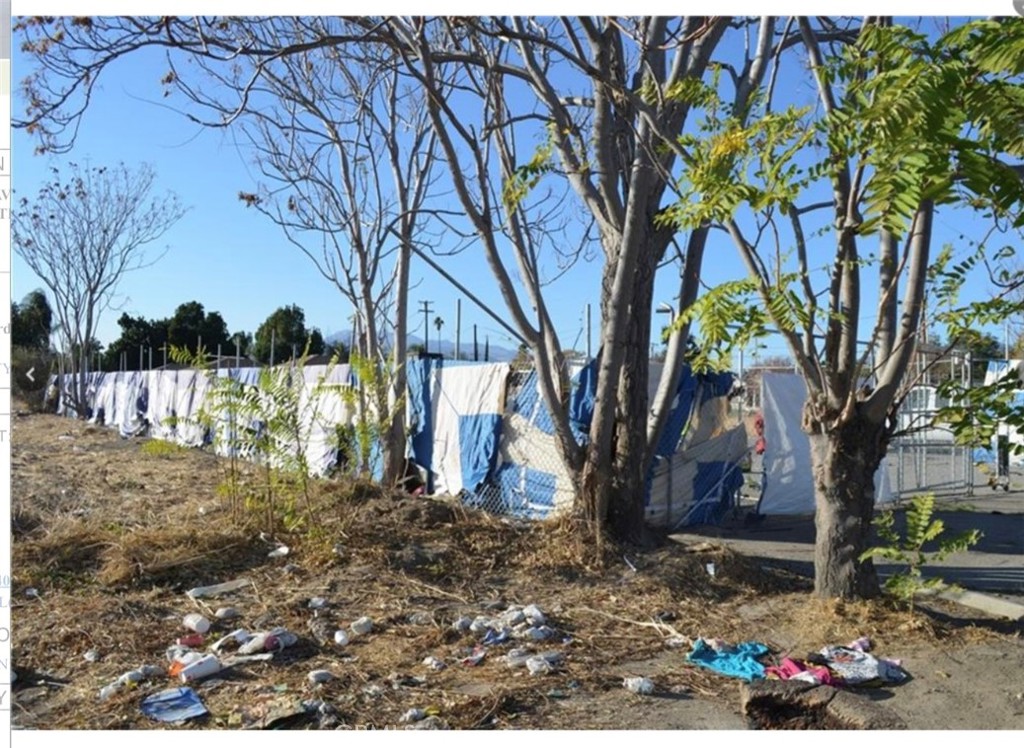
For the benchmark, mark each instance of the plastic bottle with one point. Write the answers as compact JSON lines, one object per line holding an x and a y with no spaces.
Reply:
{"x":199,"y":669}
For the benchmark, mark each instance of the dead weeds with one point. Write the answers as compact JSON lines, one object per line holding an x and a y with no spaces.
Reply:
{"x":123,"y":532}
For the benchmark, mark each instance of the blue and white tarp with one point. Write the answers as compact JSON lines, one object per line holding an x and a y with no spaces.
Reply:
{"x":466,"y":404}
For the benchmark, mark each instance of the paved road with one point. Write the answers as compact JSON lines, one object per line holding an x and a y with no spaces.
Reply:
{"x":995,"y":565}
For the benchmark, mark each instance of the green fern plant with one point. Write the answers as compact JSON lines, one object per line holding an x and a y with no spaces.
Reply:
{"x":909,"y":550}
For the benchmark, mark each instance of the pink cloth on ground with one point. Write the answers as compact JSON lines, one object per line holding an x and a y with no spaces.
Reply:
{"x":790,"y":668}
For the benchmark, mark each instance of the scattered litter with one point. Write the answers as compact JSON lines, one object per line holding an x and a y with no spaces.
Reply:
{"x":543,"y":664}
{"x":430,"y":723}
{"x":239,"y":659}
{"x":537,"y":633}
{"x":92,"y":656}
{"x":642,"y":686}
{"x":480,"y":625}
{"x":267,"y":714}
{"x":327,"y":715}
{"x":421,"y":619}
{"x":362,"y":626}
{"x":854,"y":667}
{"x":173,"y":705}
{"x":462,"y":624}
{"x":340,"y":638}
{"x":280,"y":552}
{"x":474,"y":659}
{"x":201,"y":668}
{"x":319,"y":676}
{"x":31,"y":592}
{"x":414,"y":715}
{"x":518,"y":657}
{"x":214,"y":590}
{"x":513,"y":617}
{"x":196,"y":622}
{"x":496,"y":637}
{"x":793,"y":669}
{"x":740,"y":661}
{"x":398,"y":680}
{"x":675,"y":642}
{"x":267,"y":641}
{"x":192,"y":640}
{"x":317,"y":603}
{"x":374,"y":690}
{"x":291,"y":568}
{"x":863,"y":644}
{"x":180,"y":659}
{"x":534,"y":615}
{"x":710,"y":569}
{"x":131,"y":677}
{"x":629,"y":564}
{"x":238,"y":636}
{"x":434,"y":663}
{"x":226,"y":614}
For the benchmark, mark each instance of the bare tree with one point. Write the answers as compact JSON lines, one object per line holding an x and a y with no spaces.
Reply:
{"x":599,"y":100}
{"x":348,"y":155}
{"x":610,"y":94}
{"x":81,"y":234}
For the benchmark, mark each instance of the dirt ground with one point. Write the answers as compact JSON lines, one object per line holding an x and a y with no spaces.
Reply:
{"x":109,"y":534}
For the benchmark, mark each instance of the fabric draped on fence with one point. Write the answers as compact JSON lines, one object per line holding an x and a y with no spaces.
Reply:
{"x":478,"y":431}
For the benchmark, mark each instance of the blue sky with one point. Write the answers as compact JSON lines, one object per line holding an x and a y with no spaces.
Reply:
{"x":235,"y":261}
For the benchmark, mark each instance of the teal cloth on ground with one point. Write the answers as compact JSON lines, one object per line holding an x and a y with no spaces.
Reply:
{"x":739,"y":661}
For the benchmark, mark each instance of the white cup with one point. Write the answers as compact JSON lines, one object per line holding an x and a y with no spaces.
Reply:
{"x":196,"y":622}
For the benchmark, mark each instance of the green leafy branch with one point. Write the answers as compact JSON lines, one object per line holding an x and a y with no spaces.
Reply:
{"x":909,"y":550}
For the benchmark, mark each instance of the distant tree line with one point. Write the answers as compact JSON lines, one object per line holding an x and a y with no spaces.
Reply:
{"x":283,"y":333}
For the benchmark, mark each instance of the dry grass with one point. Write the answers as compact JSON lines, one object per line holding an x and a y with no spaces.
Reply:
{"x":111,"y":534}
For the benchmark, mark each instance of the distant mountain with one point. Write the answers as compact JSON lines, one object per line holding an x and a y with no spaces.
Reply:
{"x":497,"y":352}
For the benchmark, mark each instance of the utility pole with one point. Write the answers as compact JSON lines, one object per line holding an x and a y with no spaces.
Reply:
{"x":426,"y":325}
{"x":476,"y":347}
{"x":458,"y":327}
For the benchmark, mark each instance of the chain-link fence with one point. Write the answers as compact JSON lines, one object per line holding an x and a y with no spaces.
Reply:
{"x":696,"y":478}
{"x":530,"y":480}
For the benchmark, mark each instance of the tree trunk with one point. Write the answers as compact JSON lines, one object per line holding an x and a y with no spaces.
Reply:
{"x":844,"y":463}
{"x":626,"y":506}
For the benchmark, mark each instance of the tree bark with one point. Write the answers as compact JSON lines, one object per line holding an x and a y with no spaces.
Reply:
{"x":844,"y":463}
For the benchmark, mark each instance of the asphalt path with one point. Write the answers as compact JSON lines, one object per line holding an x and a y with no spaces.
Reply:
{"x":994,"y":566}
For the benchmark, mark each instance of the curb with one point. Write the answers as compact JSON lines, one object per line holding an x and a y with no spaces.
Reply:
{"x":990,"y":604}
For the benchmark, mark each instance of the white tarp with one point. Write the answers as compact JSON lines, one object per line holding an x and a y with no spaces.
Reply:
{"x":162,"y":386}
{"x":323,"y":408}
{"x":467,"y":403}
{"x":996,"y":371}
{"x":104,"y":400}
{"x":789,"y":482}
{"x":191,"y":391}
